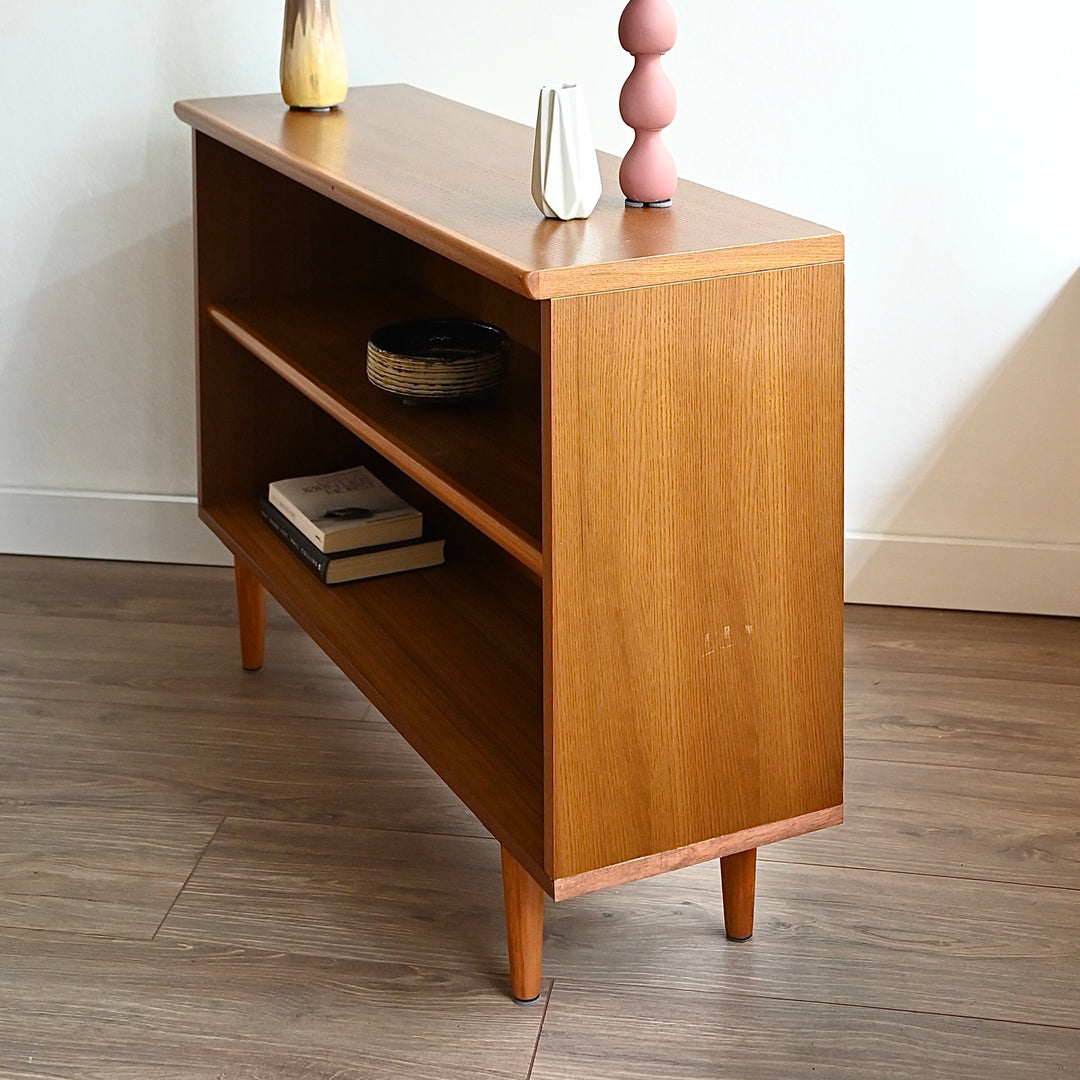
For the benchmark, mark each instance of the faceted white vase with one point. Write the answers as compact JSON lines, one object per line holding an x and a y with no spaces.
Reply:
{"x":566,"y":175}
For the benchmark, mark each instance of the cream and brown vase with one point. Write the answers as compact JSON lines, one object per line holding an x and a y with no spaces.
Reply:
{"x":313,"y":69}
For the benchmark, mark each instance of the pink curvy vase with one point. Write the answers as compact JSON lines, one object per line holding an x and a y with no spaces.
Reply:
{"x":647,"y":30}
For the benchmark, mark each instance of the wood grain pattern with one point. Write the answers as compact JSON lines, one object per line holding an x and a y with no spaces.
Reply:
{"x":845,"y":936}
{"x":86,"y":588}
{"x":375,"y":156}
{"x":694,"y":544}
{"x":241,"y":251}
{"x":640,"y":1034}
{"x":452,"y":657}
{"x":755,"y":359}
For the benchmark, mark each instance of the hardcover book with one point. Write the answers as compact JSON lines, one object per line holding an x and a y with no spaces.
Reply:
{"x":358,"y":563}
{"x":348,"y":509}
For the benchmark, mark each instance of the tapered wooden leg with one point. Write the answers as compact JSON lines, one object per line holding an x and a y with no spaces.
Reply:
{"x":738,"y":873}
{"x":251,"y":605}
{"x":524,"y":929}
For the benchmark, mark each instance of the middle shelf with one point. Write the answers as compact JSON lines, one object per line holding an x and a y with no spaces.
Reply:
{"x":483,"y":460}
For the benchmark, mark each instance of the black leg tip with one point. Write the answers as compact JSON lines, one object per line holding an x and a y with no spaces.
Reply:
{"x":731,"y":937}
{"x":527,"y":1001}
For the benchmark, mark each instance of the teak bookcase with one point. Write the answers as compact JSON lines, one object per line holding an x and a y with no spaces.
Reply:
{"x":632,"y":658}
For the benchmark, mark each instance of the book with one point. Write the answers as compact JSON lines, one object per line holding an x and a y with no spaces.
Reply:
{"x":357,"y":563}
{"x":348,"y":509}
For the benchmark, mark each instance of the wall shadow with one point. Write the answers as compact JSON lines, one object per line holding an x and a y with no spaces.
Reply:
{"x":1007,"y":473}
{"x":100,"y":367}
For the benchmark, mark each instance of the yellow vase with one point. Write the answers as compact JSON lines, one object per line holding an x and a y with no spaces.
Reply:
{"x":313,"y":70}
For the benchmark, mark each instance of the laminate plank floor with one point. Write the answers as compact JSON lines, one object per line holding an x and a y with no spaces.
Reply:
{"x":73,"y":1006}
{"x":93,"y":869}
{"x":944,"y":720}
{"x":244,"y":763}
{"x":685,"y":1035}
{"x":212,"y":874}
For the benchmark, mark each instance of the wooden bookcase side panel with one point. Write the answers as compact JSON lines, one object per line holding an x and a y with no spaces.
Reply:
{"x":694,"y":596}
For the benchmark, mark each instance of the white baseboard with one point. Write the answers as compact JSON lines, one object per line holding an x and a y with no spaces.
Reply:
{"x":899,"y":571}
{"x":971,"y":575}
{"x":107,"y":525}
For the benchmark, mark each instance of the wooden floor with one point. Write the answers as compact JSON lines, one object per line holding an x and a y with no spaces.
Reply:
{"x":212,"y":874}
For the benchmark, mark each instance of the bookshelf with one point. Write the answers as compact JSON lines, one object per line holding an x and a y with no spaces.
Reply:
{"x":632,"y":657}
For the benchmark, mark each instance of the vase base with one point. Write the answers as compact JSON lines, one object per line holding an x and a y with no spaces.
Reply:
{"x":635,"y":205}
{"x":312,"y":108}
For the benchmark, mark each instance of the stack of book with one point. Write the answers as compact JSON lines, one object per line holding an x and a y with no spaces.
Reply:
{"x":349,"y":525}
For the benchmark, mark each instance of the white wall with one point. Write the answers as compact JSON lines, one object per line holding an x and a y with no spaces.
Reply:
{"x":939,"y":137}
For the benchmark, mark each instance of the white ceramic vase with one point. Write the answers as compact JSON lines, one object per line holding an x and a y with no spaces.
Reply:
{"x":566,"y":175}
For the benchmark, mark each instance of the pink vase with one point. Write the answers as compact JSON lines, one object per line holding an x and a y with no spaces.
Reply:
{"x":647,"y":30}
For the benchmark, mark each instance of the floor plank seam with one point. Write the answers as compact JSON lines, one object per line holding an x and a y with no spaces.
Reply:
{"x":410,"y":829}
{"x":540,"y":1029}
{"x":64,"y":804}
{"x":602,"y":985}
{"x":765,"y":856}
{"x":849,"y":756}
{"x":190,"y":875}
{"x":487,"y":969}
{"x":76,"y":935}
{"x":1038,"y":678}
{"x":153,"y":699}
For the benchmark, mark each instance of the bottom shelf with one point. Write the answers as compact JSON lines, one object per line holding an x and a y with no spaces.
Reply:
{"x":452,"y":656}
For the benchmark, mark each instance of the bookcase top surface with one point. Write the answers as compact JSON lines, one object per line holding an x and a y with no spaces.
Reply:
{"x":457,"y":180}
